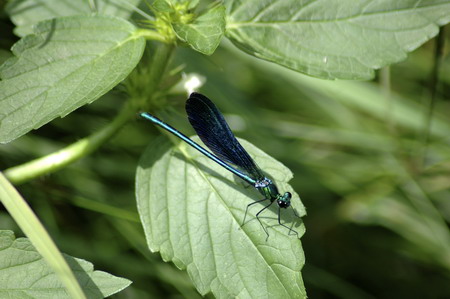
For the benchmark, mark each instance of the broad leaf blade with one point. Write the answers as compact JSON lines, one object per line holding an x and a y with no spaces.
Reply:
{"x":334,"y":39}
{"x":192,"y":211}
{"x":205,"y":33}
{"x":69,"y":62}
{"x":25,"y":274}
{"x":27,"y":13}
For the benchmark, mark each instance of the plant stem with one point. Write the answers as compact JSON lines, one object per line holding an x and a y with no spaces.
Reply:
{"x":57,"y":160}
{"x":158,"y":63}
{"x":385,"y":81}
{"x":434,"y":80}
{"x":151,"y":35}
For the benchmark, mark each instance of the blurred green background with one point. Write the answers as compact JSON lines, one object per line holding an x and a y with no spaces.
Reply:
{"x":378,"y":199}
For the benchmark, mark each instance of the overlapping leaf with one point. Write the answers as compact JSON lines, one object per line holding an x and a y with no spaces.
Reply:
{"x":334,"y":39}
{"x":205,"y":33}
{"x":68,"y":62}
{"x":192,"y":211}
{"x":27,"y":13}
{"x":25,"y":274}
{"x":169,"y":5}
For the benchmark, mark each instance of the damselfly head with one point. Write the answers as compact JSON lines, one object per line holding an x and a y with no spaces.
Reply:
{"x":285,"y":200}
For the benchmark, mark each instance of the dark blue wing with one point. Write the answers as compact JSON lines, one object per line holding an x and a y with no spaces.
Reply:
{"x":215,"y":133}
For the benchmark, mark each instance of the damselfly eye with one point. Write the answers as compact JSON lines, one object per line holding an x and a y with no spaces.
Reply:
{"x":283,"y":203}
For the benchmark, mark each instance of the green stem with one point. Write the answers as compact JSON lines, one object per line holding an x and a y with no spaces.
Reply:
{"x":159,"y":62}
{"x":434,"y":80}
{"x":151,"y":35}
{"x":55,"y":161}
{"x":385,"y":81}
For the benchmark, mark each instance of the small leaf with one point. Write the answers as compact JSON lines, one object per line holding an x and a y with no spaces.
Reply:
{"x":27,"y":13}
{"x":192,"y":3}
{"x":163,"y":5}
{"x":334,"y":39}
{"x":192,"y":210}
{"x":69,"y":62}
{"x":169,"y":5}
{"x":25,"y":274}
{"x":205,"y":33}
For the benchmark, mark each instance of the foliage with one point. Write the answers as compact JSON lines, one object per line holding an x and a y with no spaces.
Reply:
{"x":195,"y":219}
{"x":305,"y":36}
{"x":26,"y":14}
{"x":67,"y":63}
{"x":27,"y":275}
{"x":361,"y":153}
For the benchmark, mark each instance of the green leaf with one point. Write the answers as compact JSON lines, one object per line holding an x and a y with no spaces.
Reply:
{"x":334,"y":39}
{"x":27,"y":13}
{"x":25,"y":274}
{"x":163,"y":5}
{"x":170,"y":5}
{"x":205,"y":33}
{"x":192,"y":210}
{"x":69,"y":62}
{"x":192,"y":3}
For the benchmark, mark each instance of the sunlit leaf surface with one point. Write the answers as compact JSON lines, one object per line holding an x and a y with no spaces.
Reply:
{"x":25,"y":274}
{"x":334,"y":39}
{"x":67,"y":63}
{"x":192,"y":211}
{"x":205,"y":33}
{"x":26,"y":14}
